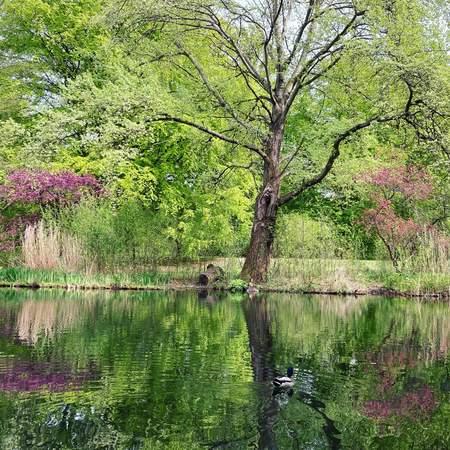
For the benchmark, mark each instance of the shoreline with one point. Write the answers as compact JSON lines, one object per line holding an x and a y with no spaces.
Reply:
{"x":385,"y":292}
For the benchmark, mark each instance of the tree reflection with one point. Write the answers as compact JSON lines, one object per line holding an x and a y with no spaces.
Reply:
{"x":259,"y":326}
{"x":260,"y":341}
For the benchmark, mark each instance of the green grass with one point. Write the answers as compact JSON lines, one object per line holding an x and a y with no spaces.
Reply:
{"x":413,"y":283}
{"x":353,"y":276}
{"x":287,"y":274}
{"x":43,"y":278}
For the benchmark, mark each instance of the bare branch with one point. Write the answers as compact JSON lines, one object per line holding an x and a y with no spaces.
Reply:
{"x":295,"y":83}
{"x":300,"y":32}
{"x":216,"y":25}
{"x":231,"y":167}
{"x":333,"y":156}
{"x":215,"y":93}
{"x":291,"y":158}
{"x":311,"y":80}
{"x":215,"y":134}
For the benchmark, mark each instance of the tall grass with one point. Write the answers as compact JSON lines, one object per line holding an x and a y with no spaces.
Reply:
{"x":47,"y":247}
{"x":72,"y":280}
{"x":431,"y":255}
{"x":424,"y":270}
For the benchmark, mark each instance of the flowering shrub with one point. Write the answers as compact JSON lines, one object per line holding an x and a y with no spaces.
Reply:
{"x":397,"y":234}
{"x":410,"y":181}
{"x":395,"y":193}
{"x":40,"y":187}
{"x":27,"y":193}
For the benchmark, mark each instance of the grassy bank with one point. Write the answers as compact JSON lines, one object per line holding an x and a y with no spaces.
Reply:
{"x":287,"y":275}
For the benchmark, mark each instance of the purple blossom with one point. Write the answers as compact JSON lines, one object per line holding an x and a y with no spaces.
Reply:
{"x":392,"y":189}
{"x":411,"y":181}
{"x":41,"y":187}
{"x":26,"y":192}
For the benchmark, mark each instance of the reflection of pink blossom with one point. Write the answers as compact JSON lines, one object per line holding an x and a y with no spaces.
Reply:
{"x":377,"y":409}
{"x":26,"y":377}
{"x":419,"y":402}
{"x":413,"y":405}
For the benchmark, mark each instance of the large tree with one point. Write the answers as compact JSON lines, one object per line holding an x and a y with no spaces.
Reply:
{"x":274,"y":52}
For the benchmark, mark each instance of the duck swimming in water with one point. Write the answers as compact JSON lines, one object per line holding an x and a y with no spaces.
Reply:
{"x":285,"y":382}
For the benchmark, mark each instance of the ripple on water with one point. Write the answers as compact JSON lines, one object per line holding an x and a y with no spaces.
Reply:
{"x":174,"y":371}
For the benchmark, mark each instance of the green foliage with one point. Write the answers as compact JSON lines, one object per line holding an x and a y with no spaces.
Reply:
{"x":12,"y":137}
{"x":301,"y":237}
{"x":78,"y":93}
{"x":237,"y":285}
{"x":128,"y":233}
{"x":59,"y":40}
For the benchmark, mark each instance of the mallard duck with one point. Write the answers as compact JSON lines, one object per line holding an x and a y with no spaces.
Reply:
{"x":285,"y":382}
{"x":251,"y":289}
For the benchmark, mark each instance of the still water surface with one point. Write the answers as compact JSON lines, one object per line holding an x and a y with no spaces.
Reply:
{"x":96,"y":370}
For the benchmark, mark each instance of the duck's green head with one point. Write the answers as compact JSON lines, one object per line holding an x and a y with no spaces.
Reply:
{"x":290,"y":371}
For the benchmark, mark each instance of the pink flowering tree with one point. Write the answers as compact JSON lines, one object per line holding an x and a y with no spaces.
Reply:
{"x":26,"y":194}
{"x":393,"y":217}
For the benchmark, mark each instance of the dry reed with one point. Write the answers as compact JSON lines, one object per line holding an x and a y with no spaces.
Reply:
{"x":47,"y":247}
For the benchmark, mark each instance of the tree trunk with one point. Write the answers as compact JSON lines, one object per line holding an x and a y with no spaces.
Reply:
{"x":256,"y":265}
{"x":257,"y":260}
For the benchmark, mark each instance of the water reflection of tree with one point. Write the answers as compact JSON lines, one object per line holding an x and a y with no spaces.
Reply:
{"x":258,"y":319}
{"x":205,"y":343}
{"x":402,"y":389}
{"x":362,"y":323}
{"x":260,"y":340}
{"x":44,"y":318}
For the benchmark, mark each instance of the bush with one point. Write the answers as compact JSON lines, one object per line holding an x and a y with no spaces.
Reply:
{"x":238,"y":285}
{"x":129,"y":234}
{"x":26,"y":194}
{"x":117,"y":236}
{"x":299,"y":236}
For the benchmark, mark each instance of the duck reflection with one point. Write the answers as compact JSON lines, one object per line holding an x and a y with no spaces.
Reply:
{"x":209,"y":298}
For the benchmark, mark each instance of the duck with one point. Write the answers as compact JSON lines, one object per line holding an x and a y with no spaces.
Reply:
{"x":285,"y":382}
{"x":251,"y":289}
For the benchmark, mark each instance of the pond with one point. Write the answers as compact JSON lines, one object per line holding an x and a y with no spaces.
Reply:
{"x":148,"y":370}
